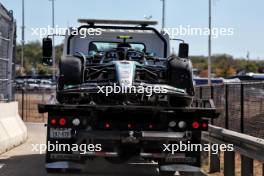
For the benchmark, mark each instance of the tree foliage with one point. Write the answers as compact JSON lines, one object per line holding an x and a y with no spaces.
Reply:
{"x":224,"y":65}
{"x":33,"y":58}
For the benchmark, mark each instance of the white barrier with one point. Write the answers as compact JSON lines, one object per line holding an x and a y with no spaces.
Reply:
{"x":13,"y":131}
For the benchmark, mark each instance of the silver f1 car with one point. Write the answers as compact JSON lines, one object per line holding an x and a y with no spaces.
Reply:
{"x":134,"y":59}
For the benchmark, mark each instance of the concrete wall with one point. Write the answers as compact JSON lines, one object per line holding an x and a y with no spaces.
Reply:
{"x":13,"y":131}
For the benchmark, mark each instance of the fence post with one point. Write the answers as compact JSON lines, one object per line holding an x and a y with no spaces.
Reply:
{"x":226,"y":107}
{"x":229,"y":163}
{"x":214,"y":162}
{"x":246,"y":166}
{"x":26,"y":104}
{"x":262,"y":169}
{"x":43,"y":98}
{"x":242,"y":108}
{"x":201,"y":92}
{"x":212,"y":97}
{"x":23,"y":104}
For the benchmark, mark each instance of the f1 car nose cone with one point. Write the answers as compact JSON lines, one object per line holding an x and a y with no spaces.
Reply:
{"x":125,"y":82}
{"x":125,"y":71}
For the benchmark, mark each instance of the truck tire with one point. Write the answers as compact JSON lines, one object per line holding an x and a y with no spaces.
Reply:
{"x":61,"y":171}
{"x":71,"y":70}
{"x":164,"y":173}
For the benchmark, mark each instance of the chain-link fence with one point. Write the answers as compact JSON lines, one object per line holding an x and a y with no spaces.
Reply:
{"x":28,"y":101}
{"x":7,"y":48}
{"x":241,"y":106}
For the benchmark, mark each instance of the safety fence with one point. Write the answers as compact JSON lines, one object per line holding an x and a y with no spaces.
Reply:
{"x":28,"y":101}
{"x":7,"y":48}
{"x":241,"y":106}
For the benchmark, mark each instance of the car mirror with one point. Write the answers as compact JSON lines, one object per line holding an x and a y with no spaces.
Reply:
{"x":183,"y":50}
{"x":47,"y":51}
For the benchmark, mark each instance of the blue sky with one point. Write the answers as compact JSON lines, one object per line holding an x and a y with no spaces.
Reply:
{"x":245,"y":16}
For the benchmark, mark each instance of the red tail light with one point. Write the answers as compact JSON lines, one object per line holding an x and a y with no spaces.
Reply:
{"x":107,"y":125}
{"x":195,"y":125}
{"x":62,"y":121}
{"x":53,"y":121}
{"x":150,"y":126}
{"x":129,"y":125}
{"x":205,"y":125}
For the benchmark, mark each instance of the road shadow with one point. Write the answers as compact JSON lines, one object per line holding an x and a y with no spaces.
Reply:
{"x":23,"y":165}
{"x":34,"y":165}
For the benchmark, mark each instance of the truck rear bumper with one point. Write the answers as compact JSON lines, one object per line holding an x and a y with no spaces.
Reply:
{"x":171,"y":167}
{"x":130,"y":135}
{"x":173,"y":158}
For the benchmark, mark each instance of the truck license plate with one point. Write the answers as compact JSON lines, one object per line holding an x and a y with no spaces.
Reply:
{"x":60,"y":133}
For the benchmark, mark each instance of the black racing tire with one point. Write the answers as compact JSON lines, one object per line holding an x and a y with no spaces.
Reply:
{"x":180,"y":74}
{"x":71,"y":70}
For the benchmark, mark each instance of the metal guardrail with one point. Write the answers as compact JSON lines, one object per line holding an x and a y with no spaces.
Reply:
{"x":250,"y":148}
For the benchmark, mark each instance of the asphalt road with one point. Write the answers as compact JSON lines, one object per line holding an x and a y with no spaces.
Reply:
{"x":24,"y":161}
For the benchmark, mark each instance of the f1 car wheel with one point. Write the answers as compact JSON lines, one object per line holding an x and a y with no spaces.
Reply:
{"x":71,"y":70}
{"x":180,"y":74}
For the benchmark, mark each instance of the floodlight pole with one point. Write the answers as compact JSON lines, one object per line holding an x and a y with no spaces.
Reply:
{"x":23,"y":35}
{"x":53,"y":46}
{"x":163,"y":13}
{"x":210,"y":44}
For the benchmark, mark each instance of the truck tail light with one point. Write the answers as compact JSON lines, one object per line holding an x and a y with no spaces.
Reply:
{"x":172,"y":124}
{"x":205,"y":125}
{"x":151,"y":126}
{"x":53,"y":121}
{"x":129,"y":125}
{"x":182,"y":124}
{"x":62,"y":121}
{"x":76,"y":122}
{"x":195,"y":125}
{"x":107,"y":125}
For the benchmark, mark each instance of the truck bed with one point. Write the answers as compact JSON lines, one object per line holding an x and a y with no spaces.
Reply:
{"x":199,"y":108}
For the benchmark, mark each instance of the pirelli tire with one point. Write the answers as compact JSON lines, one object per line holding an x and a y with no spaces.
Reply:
{"x":70,"y":71}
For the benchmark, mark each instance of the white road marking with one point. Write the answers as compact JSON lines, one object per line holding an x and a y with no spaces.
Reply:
{"x":1,"y":165}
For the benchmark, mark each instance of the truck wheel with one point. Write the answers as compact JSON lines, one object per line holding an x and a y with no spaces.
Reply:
{"x":56,"y":170}
{"x":165,"y":173}
{"x":71,"y":70}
